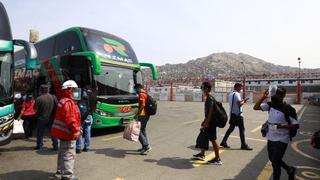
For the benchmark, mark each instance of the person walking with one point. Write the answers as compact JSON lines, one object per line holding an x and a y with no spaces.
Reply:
{"x":209,"y":125}
{"x":282,"y":121}
{"x":45,"y":106}
{"x":87,"y":105}
{"x":143,"y":117}
{"x":66,"y":127}
{"x":28,"y":115}
{"x":236,"y":117}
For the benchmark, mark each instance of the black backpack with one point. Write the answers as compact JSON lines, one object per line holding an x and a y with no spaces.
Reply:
{"x":315,"y":140}
{"x":220,"y":117}
{"x":151,"y":105}
{"x":84,"y":109}
{"x":288,"y":112}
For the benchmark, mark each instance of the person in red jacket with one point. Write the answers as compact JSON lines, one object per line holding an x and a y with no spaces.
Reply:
{"x":66,"y":127}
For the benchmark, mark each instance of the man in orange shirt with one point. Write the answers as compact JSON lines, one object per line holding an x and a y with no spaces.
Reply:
{"x":143,"y":117}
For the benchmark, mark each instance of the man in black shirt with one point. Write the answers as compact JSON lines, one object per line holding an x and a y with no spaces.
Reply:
{"x":45,"y":107}
{"x":209,"y":125}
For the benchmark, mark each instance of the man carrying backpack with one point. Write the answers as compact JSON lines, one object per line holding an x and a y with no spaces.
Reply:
{"x":209,"y":125}
{"x":236,"y":117}
{"x":87,"y":105}
{"x":143,"y":117}
{"x":282,"y":126}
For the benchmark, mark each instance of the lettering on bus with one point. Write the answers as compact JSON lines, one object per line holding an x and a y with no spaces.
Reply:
{"x":125,"y":109}
{"x":22,"y":74}
{"x":111,"y":45}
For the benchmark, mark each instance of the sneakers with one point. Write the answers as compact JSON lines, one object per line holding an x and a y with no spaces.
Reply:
{"x":291,"y":173}
{"x":38,"y":148}
{"x":58,"y":175}
{"x":215,"y":162}
{"x":146,"y":150}
{"x":139,"y":150}
{"x":199,"y":157}
{"x":248,"y":148}
{"x":78,"y":151}
{"x":224,"y":145}
{"x":55,"y":148}
{"x":85,"y":149}
{"x":72,"y":178}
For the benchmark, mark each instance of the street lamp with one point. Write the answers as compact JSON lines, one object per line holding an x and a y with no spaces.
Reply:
{"x":244,"y":80}
{"x":299,"y":84}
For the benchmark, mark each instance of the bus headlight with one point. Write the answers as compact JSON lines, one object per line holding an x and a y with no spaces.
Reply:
{"x":102,"y":113}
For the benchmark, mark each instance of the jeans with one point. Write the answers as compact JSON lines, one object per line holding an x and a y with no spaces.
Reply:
{"x":241,"y":133}
{"x":42,"y":124}
{"x":86,"y":133}
{"x":276,"y":150}
{"x":143,"y":139}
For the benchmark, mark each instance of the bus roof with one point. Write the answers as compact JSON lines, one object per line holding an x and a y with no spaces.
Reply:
{"x":85,"y":35}
{"x":5,"y":29}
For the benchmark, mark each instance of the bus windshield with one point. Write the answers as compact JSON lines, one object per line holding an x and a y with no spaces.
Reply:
{"x":117,"y":81}
{"x":5,"y":77}
{"x":109,"y":46}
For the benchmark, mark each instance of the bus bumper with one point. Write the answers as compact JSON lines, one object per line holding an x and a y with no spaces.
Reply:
{"x":6,"y":129}
{"x":103,"y":122}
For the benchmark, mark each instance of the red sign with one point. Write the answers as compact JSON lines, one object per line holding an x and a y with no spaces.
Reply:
{"x":125,"y":109}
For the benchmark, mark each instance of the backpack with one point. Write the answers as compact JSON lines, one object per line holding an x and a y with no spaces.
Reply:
{"x":151,"y":105}
{"x":315,"y":140}
{"x":220,"y":117}
{"x":288,"y":112}
{"x":84,"y":109}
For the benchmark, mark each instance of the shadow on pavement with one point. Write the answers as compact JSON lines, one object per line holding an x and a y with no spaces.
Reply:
{"x":115,"y":153}
{"x":17,"y":148}
{"x":172,"y":162}
{"x":27,"y":175}
{"x":47,"y":152}
{"x":255,"y":166}
{"x":106,"y":131}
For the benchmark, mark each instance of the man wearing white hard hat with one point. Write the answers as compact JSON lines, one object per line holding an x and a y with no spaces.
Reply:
{"x":66,"y":127}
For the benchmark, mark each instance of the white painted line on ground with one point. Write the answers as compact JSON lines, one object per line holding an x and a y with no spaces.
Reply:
{"x":256,"y":129}
{"x":294,"y":146}
{"x":112,"y":138}
{"x":301,"y":113}
{"x":253,"y":139}
{"x":190,"y":122}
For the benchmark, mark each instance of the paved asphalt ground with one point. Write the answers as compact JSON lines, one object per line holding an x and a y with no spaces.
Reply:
{"x":172,"y":135}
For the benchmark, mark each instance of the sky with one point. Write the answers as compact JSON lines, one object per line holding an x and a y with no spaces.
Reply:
{"x":175,"y":31}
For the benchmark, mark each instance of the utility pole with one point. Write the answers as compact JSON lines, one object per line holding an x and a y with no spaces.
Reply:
{"x":299,"y":84}
{"x":244,"y":81}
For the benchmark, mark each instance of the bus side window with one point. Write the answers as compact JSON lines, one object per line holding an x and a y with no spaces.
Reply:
{"x":67,"y":43}
{"x":45,"y":49}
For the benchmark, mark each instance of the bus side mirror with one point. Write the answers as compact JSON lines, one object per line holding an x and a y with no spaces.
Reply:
{"x":31,"y":52}
{"x":93,"y":58}
{"x":153,"y":69}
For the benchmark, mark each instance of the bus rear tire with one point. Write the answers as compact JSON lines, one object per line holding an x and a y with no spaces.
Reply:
{"x":6,"y":139}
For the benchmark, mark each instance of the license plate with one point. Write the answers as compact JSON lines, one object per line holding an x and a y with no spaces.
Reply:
{"x":125,"y":121}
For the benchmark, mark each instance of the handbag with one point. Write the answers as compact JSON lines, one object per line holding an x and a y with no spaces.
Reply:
{"x":264,"y":129}
{"x":235,"y":119}
{"x":18,"y":127}
{"x":132,"y":131}
{"x":202,"y":141}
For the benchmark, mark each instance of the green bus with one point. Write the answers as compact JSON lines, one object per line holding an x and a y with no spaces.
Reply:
{"x":92,"y":58}
{"x":7,"y":72}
